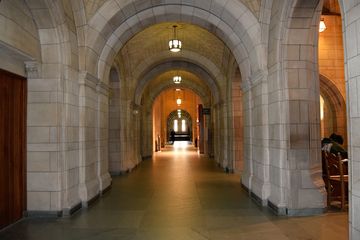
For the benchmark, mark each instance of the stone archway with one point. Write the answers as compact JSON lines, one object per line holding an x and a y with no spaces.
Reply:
{"x":297,"y":51}
{"x":337,"y":106}
{"x":239,"y":34}
{"x":294,"y":167}
{"x":181,"y":133}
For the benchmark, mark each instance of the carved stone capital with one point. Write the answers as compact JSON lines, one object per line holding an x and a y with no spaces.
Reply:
{"x":32,"y":69}
{"x":253,"y":80}
{"x":135,"y":108}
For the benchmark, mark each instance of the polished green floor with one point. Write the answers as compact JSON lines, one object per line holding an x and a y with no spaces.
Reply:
{"x":178,"y":195}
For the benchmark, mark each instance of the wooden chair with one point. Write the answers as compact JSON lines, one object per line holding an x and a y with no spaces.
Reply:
{"x":336,"y":179}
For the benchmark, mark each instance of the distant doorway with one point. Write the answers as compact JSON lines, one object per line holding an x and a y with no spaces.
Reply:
{"x":180,"y":123}
{"x":12,"y":147}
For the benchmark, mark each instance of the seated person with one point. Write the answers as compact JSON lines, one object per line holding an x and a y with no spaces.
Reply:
{"x":333,"y":145}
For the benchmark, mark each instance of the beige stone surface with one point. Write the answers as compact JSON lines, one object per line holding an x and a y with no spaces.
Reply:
{"x":76,"y":123}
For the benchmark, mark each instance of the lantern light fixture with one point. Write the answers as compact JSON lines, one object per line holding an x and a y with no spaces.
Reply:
{"x":322,"y":26}
{"x":175,"y":44}
{"x":177,"y":79}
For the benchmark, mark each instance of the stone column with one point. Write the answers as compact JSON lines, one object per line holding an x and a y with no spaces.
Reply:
{"x":216,"y":132}
{"x":237,"y":125}
{"x":42,"y":147}
{"x":351,"y":21}
{"x":114,"y":127}
{"x":247,"y":173}
{"x":102,"y":136}
{"x":43,"y":142}
{"x":52,"y":136}
{"x":146,"y":140}
{"x":256,"y":169}
{"x":136,"y":117}
{"x":88,"y":156}
{"x":224,"y":133}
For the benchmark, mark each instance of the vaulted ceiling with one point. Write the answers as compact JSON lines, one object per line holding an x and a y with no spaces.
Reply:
{"x":91,"y":6}
{"x":152,"y":45}
{"x":148,"y":50}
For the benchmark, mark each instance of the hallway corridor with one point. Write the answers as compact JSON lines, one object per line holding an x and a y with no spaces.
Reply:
{"x":179,"y":194}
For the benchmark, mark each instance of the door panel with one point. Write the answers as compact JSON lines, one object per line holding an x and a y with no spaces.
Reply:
{"x":4,"y":163}
{"x":12,"y":147}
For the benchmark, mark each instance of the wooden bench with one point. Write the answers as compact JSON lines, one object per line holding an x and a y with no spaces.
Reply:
{"x":336,"y":178}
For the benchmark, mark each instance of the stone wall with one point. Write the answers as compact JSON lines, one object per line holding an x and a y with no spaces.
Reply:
{"x":114,"y":123}
{"x":351,"y":19}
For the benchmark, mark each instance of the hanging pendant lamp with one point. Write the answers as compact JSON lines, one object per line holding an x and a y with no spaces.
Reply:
{"x":175,"y":44}
{"x":177,"y":79}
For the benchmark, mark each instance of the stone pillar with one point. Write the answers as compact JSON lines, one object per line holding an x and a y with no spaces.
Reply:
{"x":207,"y":129}
{"x":146,"y":130}
{"x":216,"y":132}
{"x":130,"y":135}
{"x":102,"y":136}
{"x":88,"y":156}
{"x":210,"y":134}
{"x":296,"y":183}
{"x":237,"y":124}
{"x":43,"y":142}
{"x":351,"y":21}
{"x":137,"y":136}
{"x":224,"y":133}
{"x":52,"y":136}
{"x":256,"y":172}
{"x":114,"y":124}
{"x":201,"y":130}
{"x":296,"y":178}
{"x":247,"y":173}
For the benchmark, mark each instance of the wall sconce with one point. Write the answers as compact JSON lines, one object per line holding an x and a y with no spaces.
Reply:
{"x":178,"y":101}
{"x":322,"y":26}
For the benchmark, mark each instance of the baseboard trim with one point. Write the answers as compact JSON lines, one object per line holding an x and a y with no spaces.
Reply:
{"x":107,"y":189}
{"x":74,"y":209}
{"x":123,"y":172}
{"x":117,"y":173}
{"x":254,"y":197}
{"x":304,"y":212}
{"x":91,"y":201}
{"x":276,"y":210}
{"x":282,"y":211}
{"x":48,"y":214}
{"x":245,"y":188}
{"x":257,"y":199}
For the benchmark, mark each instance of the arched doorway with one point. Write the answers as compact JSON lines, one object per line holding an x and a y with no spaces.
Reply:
{"x":169,"y":114}
{"x":332,"y":110}
{"x":181,"y":123}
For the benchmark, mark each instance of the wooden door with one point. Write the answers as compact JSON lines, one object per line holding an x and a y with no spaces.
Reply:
{"x":12,"y":147}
